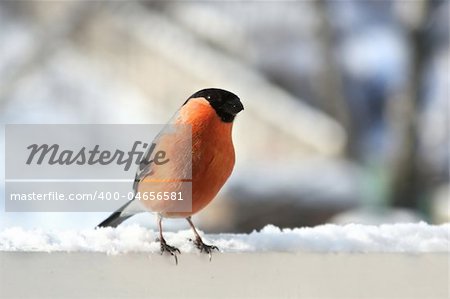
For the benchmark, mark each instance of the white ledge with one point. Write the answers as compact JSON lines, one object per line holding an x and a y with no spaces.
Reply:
{"x":228,"y":275}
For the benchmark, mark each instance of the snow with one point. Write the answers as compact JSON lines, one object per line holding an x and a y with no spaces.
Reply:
{"x":354,"y":238}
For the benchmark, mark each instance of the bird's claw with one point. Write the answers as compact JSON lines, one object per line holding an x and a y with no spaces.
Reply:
{"x":204,"y":247}
{"x":169,"y":249}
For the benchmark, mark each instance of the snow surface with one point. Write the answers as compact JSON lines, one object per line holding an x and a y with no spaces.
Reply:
{"x":410,"y":238}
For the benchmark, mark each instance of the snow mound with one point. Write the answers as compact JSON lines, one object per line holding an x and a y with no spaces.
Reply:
{"x":410,"y":238}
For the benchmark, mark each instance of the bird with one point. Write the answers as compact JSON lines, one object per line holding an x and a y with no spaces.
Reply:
{"x":206,"y":156}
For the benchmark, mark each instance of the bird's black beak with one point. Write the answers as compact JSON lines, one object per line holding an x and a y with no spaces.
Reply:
{"x":234,"y":107}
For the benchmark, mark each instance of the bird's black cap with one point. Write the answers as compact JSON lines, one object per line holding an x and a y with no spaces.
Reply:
{"x":226,"y":104}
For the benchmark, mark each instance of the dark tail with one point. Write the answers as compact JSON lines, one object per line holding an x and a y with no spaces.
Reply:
{"x":116,"y":218}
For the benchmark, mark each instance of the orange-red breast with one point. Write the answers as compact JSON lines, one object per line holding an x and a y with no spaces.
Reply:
{"x":207,"y":154}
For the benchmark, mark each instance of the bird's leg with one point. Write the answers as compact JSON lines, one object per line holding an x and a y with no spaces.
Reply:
{"x":164,"y":246}
{"x":199,"y":242}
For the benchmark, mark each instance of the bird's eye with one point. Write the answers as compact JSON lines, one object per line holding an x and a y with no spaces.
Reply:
{"x":208,"y":97}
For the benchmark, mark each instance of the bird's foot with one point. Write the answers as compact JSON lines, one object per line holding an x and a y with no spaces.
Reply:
{"x":169,"y":249}
{"x":204,"y":247}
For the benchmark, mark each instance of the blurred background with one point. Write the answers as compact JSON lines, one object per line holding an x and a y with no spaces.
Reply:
{"x":346,"y":115}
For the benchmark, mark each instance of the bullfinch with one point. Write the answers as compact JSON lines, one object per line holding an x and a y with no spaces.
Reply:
{"x":207,"y":155}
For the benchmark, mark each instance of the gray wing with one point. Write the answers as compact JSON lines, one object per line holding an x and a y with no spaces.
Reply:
{"x":132,"y":207}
